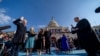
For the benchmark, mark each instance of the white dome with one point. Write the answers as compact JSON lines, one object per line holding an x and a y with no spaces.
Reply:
{"x":53,"y":23}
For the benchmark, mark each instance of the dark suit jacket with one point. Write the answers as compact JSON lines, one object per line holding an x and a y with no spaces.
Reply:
{"x":47,"y":35}
{"x":20,"y":32}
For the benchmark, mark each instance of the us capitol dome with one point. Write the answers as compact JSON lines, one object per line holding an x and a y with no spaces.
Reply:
{"x":57,"y":30}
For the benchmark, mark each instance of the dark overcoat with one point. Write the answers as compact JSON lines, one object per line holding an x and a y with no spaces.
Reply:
{"x":20,"y":32}
{"x":87,"y":37}
{"x":47,"y":35}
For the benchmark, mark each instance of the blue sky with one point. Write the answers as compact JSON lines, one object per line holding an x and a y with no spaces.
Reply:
{"x":39,"y":12}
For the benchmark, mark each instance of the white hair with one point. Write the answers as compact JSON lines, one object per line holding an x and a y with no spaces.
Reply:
{"x":32,"y":28}
{"x":22,"y":17}
{"x":25,"y":20}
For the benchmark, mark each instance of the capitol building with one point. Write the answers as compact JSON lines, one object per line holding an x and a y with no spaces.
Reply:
{"x":57,"y":30}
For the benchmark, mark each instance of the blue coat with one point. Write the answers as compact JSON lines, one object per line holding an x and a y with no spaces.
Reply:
{"x":64,"y":44}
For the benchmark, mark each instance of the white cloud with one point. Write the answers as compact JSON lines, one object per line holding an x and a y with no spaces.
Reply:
{"x":0,"y":0}
{"x":41,"y":26}
{"x":4,"y":19}
{"x":2,"y":10}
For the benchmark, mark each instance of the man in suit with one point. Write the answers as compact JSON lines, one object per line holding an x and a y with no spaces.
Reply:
{"x":47,"y":35}
{"x":19,"y":35}
{"x":87,"y":38}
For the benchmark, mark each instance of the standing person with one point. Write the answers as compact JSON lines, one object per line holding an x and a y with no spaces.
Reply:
{"x":59,"y":43}
{"x":64,"y":43}
{"x":76,"y":43}
{"x":71,"y":43}
{"x":39,"y":41}
{"x":47,"y":35}
{"x":87,"y":38}
{"x":19,"y":35}
{"x":30,"y":41}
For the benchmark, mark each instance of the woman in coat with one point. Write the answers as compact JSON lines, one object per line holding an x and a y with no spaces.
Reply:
{"x":64,"y":43}
{"x":40,"y":41}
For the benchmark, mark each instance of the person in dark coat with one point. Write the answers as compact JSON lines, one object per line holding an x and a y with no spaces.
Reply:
{"x":58,"y":44}
{"x":87,"y":37}
{"x":47,"y":35}
{"x":39,"y":41}
{"x":76,"y":43}
{"x":19,"y":35}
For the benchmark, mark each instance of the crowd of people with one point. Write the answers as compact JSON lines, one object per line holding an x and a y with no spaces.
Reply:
{"x":30,"y":40}
{"x":41,"y":42}
{"x":34,"y":42}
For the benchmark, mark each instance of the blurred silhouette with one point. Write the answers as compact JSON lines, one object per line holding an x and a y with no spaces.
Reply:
{"x":87,"y":37}
{"x":19,"y":36}
{"x":47,"y":35}
{"x":97,"y":10}
{"x":5,"y":27}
